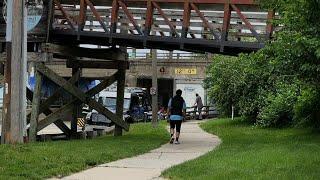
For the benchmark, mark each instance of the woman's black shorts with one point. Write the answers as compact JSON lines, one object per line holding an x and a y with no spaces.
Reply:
{"x":175,"y":124}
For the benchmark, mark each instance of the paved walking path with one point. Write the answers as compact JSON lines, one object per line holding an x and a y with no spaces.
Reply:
{"x":194,"y":143}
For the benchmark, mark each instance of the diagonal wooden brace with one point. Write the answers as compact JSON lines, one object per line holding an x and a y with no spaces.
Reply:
{"x":46,"y":104}
{"x":77,"y":93}
{"x":57,"y":114}
{"x":205,"y":21}
{"x":247,"y":23}
{"x":58,"y":122}
{"x":172,"y":28}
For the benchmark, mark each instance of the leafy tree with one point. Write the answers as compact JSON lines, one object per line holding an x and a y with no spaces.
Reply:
{"x":265,"y":85}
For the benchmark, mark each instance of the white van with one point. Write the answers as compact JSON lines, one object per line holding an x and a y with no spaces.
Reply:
{"x":134,"y":107}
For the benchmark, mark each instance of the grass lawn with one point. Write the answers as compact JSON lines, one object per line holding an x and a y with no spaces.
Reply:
{"x":248,"y":152}
{"x":60,"y":158}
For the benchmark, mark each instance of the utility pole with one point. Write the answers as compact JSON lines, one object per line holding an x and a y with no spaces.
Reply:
{"x":155,"y":88}
{"x":14,"y":106}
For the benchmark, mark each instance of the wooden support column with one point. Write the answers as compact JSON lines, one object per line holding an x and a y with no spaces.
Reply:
{"x":121,"y":78}
{"x":14,"y":105}
{"x":76,"y":106}
{"x":35,"y":107}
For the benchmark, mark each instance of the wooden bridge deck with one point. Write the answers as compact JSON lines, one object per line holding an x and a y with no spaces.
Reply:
{"x":217,"y":26}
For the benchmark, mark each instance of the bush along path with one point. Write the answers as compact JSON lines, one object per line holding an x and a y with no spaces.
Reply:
{"x":194,"y":143}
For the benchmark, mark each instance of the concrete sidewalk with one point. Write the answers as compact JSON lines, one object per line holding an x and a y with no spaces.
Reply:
{"x":194,"y":143}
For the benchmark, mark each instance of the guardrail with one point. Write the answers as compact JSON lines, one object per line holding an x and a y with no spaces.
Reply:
{"x":191,"y":113}
{"x":207,"y":112}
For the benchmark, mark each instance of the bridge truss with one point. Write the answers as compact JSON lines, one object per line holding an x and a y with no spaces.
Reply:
{"x":217,"y":26}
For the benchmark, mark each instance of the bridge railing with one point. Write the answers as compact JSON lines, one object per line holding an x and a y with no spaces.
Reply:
{"x":188,"y":25}
{"x":168,"y":56}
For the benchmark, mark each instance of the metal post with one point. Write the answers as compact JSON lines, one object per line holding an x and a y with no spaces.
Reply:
{"x":14,"y":106}
{"x":155,"y":88}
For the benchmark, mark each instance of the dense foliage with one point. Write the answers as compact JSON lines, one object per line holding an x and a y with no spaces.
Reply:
{"x":280,"y":84}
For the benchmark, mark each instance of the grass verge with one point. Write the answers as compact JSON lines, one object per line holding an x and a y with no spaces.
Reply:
{"x":61,"y":158}
{"x":248,"y":152}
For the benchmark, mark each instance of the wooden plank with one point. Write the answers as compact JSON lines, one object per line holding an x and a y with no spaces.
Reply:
{"x":32,"y":57}
{"x":172,"y":4}
{"x":82,"y":96}
{"x":35,"y":107}
{"x":174,"y":13}
{"x":111,"y":54}
{"x":98,"y":64}
{"x":55,"y":116}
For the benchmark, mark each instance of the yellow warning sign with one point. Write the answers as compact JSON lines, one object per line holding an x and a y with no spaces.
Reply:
{"x":186,"y":71}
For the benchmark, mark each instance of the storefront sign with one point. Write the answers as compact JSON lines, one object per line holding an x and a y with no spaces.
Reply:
{"x":186,"y":71}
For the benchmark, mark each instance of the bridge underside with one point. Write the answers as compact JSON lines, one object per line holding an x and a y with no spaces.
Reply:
{"x":155,"y":42}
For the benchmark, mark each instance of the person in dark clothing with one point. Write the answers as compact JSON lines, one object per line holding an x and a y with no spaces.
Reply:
{"x":176,"y":113}
{"x":199,"y":105}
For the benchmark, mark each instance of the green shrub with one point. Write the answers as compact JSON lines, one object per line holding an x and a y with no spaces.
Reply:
{"x":278,"y":111}
{"x":307,"y":108}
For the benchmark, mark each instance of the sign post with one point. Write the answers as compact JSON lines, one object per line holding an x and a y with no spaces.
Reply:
{"x":154,"y":89}
{"x":14,"y":106}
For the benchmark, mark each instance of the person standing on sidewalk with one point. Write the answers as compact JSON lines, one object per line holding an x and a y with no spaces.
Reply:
{"x":176,"y":113}
{"x":199,"y":105}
